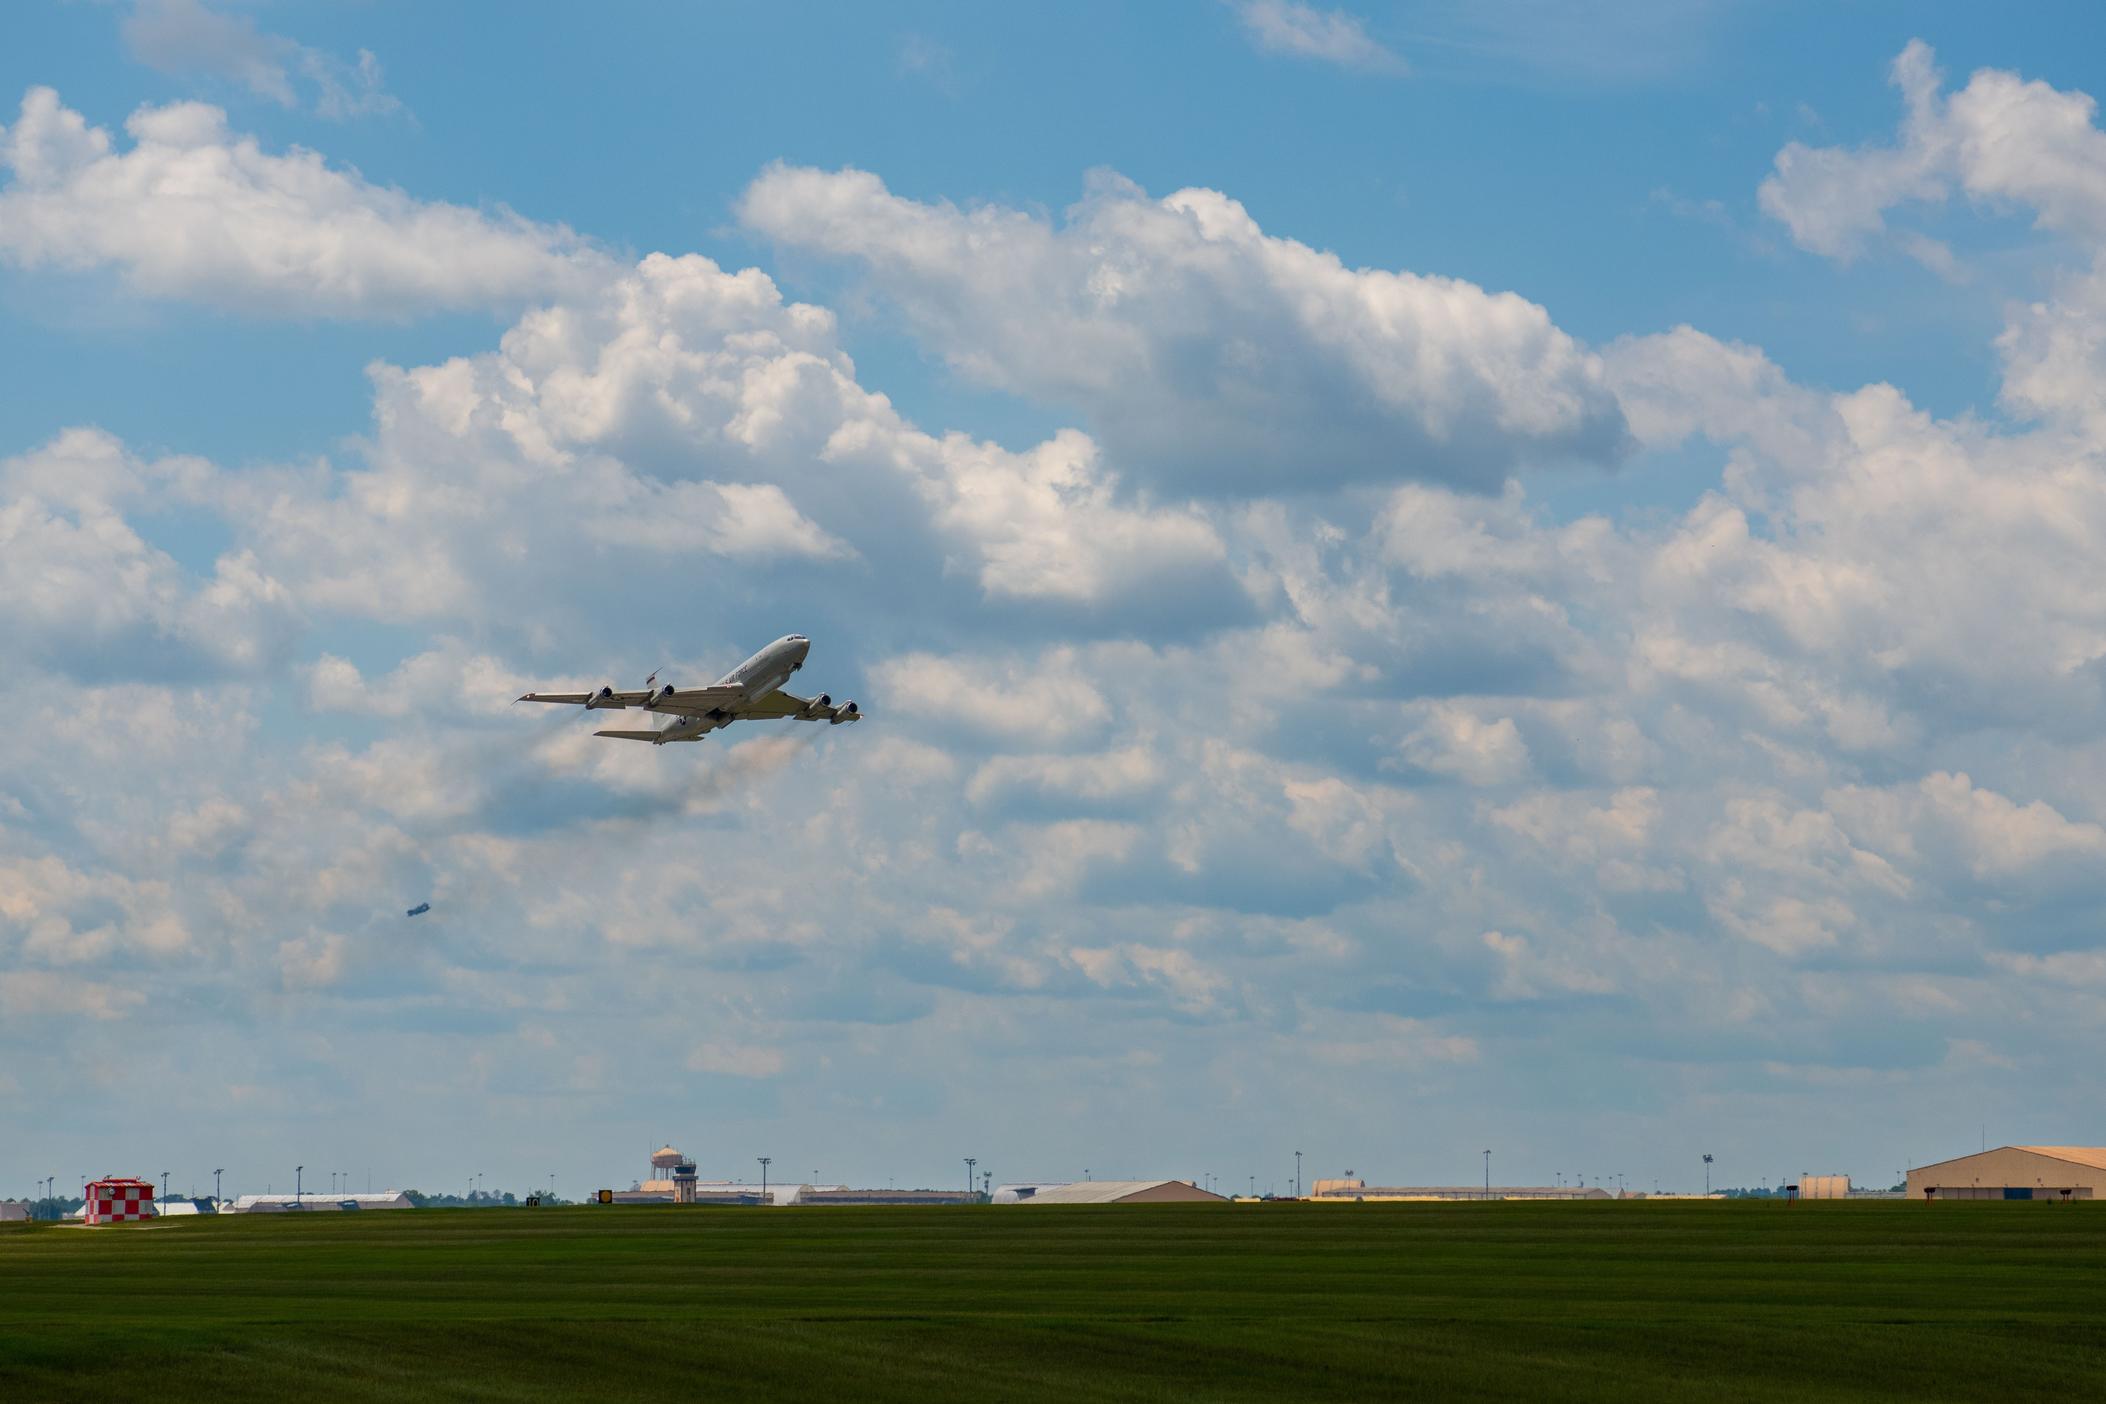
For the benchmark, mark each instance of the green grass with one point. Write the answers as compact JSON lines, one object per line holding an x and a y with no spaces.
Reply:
{"x":1699,"y":1300}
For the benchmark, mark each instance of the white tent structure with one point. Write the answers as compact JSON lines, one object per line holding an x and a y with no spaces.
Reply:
{"x":309,"y":1203}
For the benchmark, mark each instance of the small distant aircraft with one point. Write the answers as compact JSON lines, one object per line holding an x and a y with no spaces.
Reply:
{"x":750,"y":692}
{"x":419,"y":910}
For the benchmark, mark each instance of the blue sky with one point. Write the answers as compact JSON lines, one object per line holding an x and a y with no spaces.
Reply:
{"x":1426,"y":577}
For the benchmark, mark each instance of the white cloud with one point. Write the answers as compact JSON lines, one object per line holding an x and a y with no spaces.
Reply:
{"x":1452,"y":740}
{"x":1752,"y":767}
{"x":683,"y":412}
{"x":2003,"y":142}
{"x":2000,"y":139}
{"x":736,"y":1060}
{"x":89,"y":596}
{"x":1111,"y":775}
{"x":1047,"y":697}
{"x":1205,"y":352}
{"x":193,"y":211}
{"x":440,"y":678}
{"x":188,"y":36}
{"x":1303,"y":31}
{"x":1945,"y":824}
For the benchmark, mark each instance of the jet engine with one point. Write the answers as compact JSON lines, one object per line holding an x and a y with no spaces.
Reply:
{"x":601,"y":699}
{"x":848,"y":713}
{"x":818,"y":705}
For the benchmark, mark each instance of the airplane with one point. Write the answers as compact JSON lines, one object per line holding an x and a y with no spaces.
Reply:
{"x":750,"y":692}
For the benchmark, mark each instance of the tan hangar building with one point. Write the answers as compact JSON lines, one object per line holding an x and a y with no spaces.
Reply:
{"x":2051,"y":1173}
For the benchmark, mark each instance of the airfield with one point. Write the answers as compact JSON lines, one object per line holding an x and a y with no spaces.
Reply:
{"x":1712,"y":1300}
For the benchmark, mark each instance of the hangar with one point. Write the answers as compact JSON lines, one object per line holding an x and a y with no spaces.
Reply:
{"x":2016,"y":1172}
{"x":1120,"y":1192}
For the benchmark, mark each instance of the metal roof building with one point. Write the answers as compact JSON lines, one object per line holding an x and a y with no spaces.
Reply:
{"x":845,"y":1196}
{"x":1355,"y":1191}
{"x":307,"y":1203}
{"x":1123,"y":1192}
{"x":2015,"y":1172}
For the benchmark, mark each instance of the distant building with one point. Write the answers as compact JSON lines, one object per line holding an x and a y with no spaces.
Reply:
{"x":118,"y":1199}
{"x":1028,"y":1189}
{"x":308,"y":1203}
{"x":177,"y":1206}
{"x":2051,"y":1173}
{"x":1357,"y":1191}
{"x":1824,"y":1187}
{"x":1121,"y":1192}
{"x":665,"y":1165}
{"x":851,"y":1197}
{"x":13,"y":1211}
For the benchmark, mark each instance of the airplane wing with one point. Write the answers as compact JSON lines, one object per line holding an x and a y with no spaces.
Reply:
{"x":686,"y":702}
{"x":699,"y":701}
{"x":788,"y":704}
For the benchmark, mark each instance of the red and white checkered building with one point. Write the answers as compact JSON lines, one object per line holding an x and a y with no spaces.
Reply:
{"x":117,"y":1199}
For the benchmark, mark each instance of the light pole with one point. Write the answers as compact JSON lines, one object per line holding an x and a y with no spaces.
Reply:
{"x":216,"y":1201}
{"x":1487,"y":1174}
{"x":164,"y":1188}
{"x":1707,"y":1175}
{"x":1297,"y":1174}
{"x":297,"y":1172}
{"x":765,"y":1162}
{"x":970,"y":1162}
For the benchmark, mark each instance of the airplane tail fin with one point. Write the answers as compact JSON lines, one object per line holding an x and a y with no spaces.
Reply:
{"x":629,"y":735}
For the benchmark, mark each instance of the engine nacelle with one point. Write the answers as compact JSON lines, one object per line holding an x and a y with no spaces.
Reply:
{"x":600,"y":700}
{"x":847,"y":713}
{"x":817,"y":707}
{"x":660,"y":695}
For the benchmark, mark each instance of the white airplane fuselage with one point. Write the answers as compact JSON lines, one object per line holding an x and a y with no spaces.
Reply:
{"x":771,"y":667}
{"x":758,"y":676}
{"x":753,"y":691}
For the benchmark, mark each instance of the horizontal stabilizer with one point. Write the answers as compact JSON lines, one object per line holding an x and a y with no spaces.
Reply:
{"x":629,"y":735}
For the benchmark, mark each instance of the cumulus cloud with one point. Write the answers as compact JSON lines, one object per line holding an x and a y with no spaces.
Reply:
{"x":1805,"y":769}
{"x":1303,"y":31}
{"x":2003,"y":142}
{"x":90,"y":597}
{"x":189,"y":37}
{"x":193,"y":211}
{"x":1047,"y":696}
{"x":685,"y":413}
{"x":2001,"y":139}
{"x":1205,"y":352}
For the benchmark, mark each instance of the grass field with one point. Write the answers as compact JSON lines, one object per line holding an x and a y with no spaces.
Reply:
{"x":1710,"y":1300}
